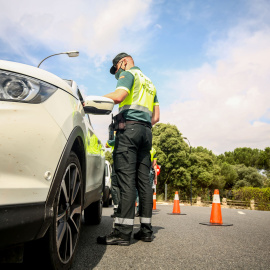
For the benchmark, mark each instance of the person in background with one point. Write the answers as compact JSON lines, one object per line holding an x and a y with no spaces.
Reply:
{"x":115,"y":188}
{"x":152,"y":177}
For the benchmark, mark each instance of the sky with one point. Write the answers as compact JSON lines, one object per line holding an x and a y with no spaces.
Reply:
{"x":209,"y":60}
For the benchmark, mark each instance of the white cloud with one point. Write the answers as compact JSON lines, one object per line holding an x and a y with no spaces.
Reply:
{"x":97,"y":28}
{"x":222,"y":104}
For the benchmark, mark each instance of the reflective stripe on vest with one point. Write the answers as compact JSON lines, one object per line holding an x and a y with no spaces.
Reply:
{"x":142,"y":94}
{"x":124,"y":221}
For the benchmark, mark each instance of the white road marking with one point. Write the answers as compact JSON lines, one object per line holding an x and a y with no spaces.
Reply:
{"x":241,"y":213}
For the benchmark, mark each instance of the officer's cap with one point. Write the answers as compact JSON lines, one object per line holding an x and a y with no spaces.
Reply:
{"x":116,"y":59}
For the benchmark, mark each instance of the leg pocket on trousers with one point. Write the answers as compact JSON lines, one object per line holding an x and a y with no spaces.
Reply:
{"x":121,"y":159}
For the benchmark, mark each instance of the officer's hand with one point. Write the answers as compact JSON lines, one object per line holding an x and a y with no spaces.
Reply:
{"x":155,"y":181}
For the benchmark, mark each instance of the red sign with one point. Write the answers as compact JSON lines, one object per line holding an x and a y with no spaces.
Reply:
{"x":158,"y":170}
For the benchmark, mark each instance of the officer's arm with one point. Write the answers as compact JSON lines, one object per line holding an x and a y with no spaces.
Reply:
{"x":117,"y":96}
{"x":155,"y":115}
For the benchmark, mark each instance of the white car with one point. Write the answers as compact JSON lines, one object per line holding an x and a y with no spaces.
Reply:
{"x":107,"y":196}
{"x":51,"y":161}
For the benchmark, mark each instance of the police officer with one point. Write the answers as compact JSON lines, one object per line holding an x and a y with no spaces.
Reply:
{"x":153,"y":170}
{"x":138,"y":111}
{"x":115,"y":188}
{"x":152,"y":177}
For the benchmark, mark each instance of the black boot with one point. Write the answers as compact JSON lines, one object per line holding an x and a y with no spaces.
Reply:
{"x":146,"y":237}
{"x":114,"y":238}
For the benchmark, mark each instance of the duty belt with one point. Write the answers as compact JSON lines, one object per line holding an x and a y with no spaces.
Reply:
{"x":139,"y":122}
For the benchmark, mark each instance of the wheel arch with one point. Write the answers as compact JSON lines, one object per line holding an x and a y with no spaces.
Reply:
{"x":74,"y":143}
{"x":79,"y":150}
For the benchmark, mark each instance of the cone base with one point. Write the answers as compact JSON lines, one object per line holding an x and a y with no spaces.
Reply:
{"x":215,"y":224}
{"x":175,"y":214}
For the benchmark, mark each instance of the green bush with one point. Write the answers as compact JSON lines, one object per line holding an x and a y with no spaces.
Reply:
{"x":260,"y":195}
{"x":160,"y":197}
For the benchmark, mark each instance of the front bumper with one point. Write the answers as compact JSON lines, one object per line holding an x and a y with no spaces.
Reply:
{"x":20,"y":223}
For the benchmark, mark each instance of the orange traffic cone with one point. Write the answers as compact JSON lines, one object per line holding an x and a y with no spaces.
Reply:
{"x":216,"y":217}
{"x":176,"y":205}
{"x":154,"y":201}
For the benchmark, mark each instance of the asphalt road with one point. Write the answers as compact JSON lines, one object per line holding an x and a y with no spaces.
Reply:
{"x":182,"y":243}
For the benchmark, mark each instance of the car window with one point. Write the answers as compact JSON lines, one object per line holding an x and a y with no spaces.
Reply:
{"x":82,"y":101}
{"x":89,"y":120}
{"x":69,"y":82}
{"x":80,"y":95}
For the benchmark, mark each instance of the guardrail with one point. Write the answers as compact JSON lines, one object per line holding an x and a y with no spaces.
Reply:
{"x":231,"y":204}
{"x":253,"y":205}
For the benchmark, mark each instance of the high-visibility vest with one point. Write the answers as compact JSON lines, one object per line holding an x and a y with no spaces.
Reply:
{"x":142,"y":94}
{"x":111,"y":146}
{"x":94,"y":148}
{"x":153,"y":152}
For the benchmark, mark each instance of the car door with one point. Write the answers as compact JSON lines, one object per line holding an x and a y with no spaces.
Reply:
{"x":95,"y":157}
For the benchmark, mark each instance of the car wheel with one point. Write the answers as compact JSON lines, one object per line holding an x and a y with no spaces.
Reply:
{"x":93,"y":213}
{"x":110,"y":200}
{"x":65,"y":230}
{"x":106,"y":197}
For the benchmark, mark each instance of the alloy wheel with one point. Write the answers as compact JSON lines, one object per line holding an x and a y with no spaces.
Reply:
{"x":69,"y":213}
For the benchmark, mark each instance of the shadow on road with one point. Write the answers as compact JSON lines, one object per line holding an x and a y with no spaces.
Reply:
{"x":89,"y":253}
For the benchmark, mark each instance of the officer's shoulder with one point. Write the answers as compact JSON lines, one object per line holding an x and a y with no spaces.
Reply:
{"x":126,"y":74}
{"x":133,"y":70}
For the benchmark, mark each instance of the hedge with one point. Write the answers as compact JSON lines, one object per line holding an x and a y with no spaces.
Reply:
{"x":260,"y":195}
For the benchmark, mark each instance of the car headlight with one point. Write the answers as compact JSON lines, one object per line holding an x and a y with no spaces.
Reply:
{"x":17,"y":87}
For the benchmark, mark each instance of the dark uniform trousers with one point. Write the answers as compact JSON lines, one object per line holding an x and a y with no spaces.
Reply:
{"x":115,"y":189}
{"x":132,"y":164}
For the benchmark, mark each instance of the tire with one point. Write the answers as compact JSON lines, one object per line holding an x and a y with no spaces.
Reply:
{"x":110,"y":200}
{"x":106,"y":197}
{"x":93,"y":213}
{"x":65,"y":230}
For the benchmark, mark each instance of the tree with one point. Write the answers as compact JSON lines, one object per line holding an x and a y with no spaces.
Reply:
{"x":234,"y":169}
{"x":171,"y":155}
{"x":248,"y":176}
{"x":206,"y":172}
{"x":108,"y":156}
{"x":230,"y":175}
{"x":264,"y":160}
{"x":259,"y":159}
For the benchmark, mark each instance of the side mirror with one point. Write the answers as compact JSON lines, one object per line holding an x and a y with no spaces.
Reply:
{"x":98,"y":105}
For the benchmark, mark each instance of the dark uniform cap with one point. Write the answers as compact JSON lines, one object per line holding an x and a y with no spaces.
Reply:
{"x":116,"y":59}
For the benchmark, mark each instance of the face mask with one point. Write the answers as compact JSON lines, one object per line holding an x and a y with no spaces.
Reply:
{"x":117,"y":74}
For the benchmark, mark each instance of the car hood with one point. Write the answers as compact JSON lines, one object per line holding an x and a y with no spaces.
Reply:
{"x":35,"y":72}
